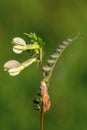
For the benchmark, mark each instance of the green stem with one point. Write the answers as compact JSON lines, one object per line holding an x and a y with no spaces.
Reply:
{"x":42,"y":117}
{"x":42,"y":107}
{"x":41,"y":50}
{"x":41,"y":62}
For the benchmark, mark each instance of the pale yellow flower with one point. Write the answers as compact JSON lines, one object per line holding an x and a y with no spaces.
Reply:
{"x":14,"y":67}
{"x":20,"y":45}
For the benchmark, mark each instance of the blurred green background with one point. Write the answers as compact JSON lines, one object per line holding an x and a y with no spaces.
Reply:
{"x":53,"y":21}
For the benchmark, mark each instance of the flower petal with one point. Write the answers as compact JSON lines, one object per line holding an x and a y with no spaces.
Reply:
{"x":11,"y":64}
{"x":13,"y":72}
{"x":18,"y":49}
{"x":19,"y":41}
{"x":16,"y":70}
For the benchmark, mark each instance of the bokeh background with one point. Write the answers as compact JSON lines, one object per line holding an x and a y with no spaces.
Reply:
{"x":53,"y":21}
